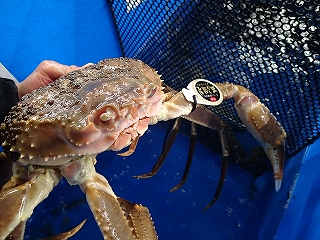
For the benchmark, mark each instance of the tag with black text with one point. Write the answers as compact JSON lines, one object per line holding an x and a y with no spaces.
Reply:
{"x":206,"y":92}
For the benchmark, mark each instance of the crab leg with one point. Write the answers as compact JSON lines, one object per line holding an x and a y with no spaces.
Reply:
{"x":105,"y":205}
{"x":255,"y":116}
{"x":223,"y":174}
{"x":261,"y":124}
{"x":190,"y":155}
{"x":132,"y":148}
{"x":66,"y":235}
{"x":139,"y":219}
{"x":206,"y":118}
{"x":166,"y":148}
{"x":17,"y":203}
{"x":174,"y":105}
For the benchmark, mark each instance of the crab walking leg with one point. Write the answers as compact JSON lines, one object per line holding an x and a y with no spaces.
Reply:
{"x":192,"y":144}
{"x":66,"y":235}
{"x":132,"y":148}
{"x":166,"y":148}
{"x":207,"y":118}
{"x":261,"y":124}
{"x":139,"y":219}
{"x":17,"y":203}
{"x":104,"y":203}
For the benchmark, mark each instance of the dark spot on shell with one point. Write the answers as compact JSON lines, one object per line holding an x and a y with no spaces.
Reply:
{"x":77,"y":102}
{"x":50,"y":102}
{"x":77,"y":85}
{"x":31,"y":111}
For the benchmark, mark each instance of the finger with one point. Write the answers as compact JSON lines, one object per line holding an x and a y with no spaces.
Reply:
{"x":87,"y":65}
{"x":51,"y":70}
{"x":46,"y":72}
{"x":54,"y":70}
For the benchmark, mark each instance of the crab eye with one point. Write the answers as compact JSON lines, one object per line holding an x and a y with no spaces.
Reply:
{"x":108,"y":116}
{"x":151,"y":90}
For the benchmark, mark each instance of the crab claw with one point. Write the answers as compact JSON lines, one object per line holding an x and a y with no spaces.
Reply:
{"x":261,"y":123}
{"x":276,"y":156}
{"x":269,"y":133}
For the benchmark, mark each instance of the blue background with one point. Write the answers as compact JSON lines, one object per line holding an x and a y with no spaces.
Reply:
{"x":77,"y":32}
{"x":70,"y":32}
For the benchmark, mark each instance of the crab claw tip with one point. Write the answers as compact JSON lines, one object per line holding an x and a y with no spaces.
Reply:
{"x":277,"y":184}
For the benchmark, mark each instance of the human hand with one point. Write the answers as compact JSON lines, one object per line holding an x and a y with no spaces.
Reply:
{"x":46,"y":72}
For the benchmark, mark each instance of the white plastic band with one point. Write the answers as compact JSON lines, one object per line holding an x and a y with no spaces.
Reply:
{"x":206,"y":92}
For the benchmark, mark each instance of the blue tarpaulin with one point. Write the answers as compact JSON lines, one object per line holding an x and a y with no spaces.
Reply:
{"x":77,"y":32}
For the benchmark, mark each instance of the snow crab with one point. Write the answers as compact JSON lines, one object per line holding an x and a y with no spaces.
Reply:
{"x":56,"y":131}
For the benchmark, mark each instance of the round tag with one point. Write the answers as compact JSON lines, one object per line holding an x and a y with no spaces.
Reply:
{"x":206,"y":92}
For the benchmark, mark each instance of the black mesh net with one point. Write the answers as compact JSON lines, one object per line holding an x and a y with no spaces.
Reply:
{"x":270,"y":47}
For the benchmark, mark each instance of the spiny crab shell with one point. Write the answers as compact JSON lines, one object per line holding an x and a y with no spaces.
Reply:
{"x":101,"y":107}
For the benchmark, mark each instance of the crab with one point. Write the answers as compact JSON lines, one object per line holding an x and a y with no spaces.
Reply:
{"x":260,"y":122}
{"x":57,"y":131}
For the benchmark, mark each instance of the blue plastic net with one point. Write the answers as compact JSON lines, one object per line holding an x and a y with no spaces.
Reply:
{"x":270,"y":47}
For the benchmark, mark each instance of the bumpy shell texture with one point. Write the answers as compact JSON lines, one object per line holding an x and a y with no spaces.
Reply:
{"x":87,"y":111}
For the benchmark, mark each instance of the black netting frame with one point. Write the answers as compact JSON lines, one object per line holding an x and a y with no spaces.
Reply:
{"x":270,"y":47}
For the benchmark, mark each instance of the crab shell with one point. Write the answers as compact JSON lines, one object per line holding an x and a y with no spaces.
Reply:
{"x":101,"y":107}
